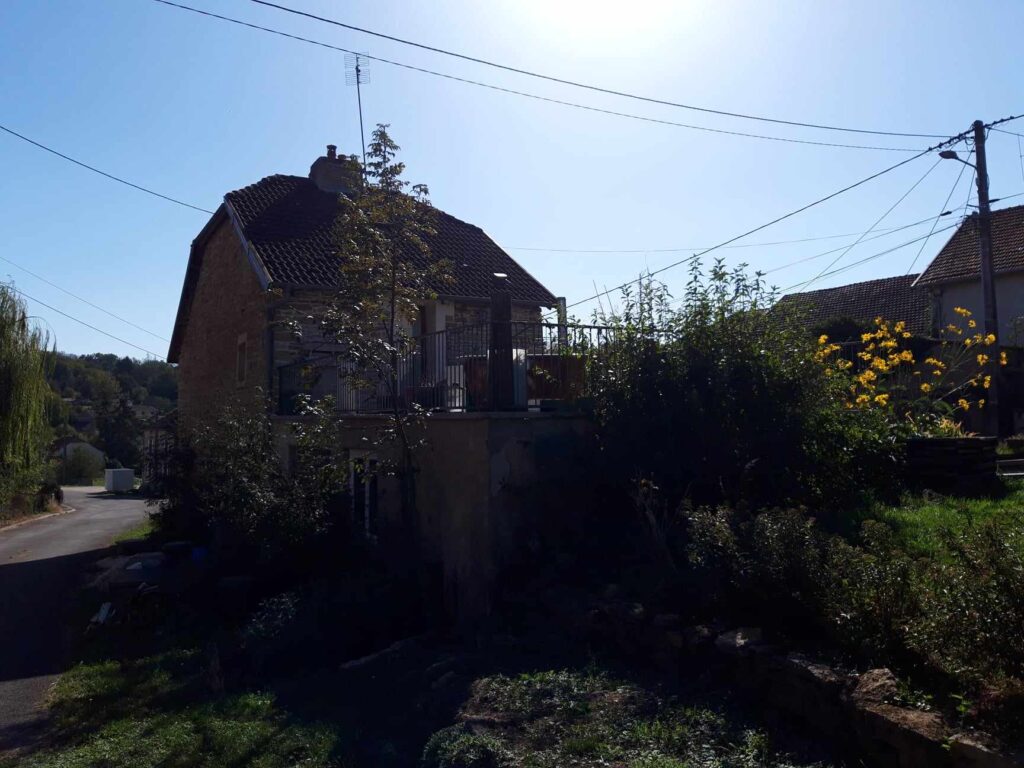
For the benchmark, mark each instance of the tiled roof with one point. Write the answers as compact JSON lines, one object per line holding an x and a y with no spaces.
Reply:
{"x":959,"y":259}
{"x":288,"y":221}
{"x":894,"y":298}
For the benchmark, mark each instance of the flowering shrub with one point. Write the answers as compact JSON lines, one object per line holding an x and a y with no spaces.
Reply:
{"x":883,"y":372}
{"x":718,"y":398}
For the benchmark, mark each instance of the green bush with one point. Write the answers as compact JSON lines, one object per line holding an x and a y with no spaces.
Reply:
{"x":458,"y":747}
{"x":959,"y":614}
{"x":229,"y":484}
{"x":720,"y":400}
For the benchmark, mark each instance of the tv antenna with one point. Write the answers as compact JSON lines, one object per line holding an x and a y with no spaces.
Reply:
{"x":356,"y":74}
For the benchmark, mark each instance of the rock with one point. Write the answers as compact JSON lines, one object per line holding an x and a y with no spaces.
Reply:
{"x":821,"y":676}
{"x":876,"y":686}
{"x":699,"y":637}
{"x":738,"y":641}
{"x":178,"y":550}
{"x":899,"y":736}
{"x":622,"y":611}
{"x":613,"y":592}
{"x":968,"y":752}
{"x":668,"y":621}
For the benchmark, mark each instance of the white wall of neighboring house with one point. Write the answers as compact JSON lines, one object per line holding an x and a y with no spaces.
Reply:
{"x":1009,"y":305}
{"x":68,"y":450}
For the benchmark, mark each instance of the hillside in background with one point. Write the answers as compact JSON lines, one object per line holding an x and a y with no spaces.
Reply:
{"x":106,"y":400}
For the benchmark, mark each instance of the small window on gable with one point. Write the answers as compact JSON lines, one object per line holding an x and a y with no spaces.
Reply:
{"x":241,"y":360}
{"x":363,"y":487}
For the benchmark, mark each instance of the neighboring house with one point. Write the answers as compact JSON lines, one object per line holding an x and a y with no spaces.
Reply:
{"x":894,"y":298}
{"x":954,"y":276}
{"x":268,"y":256}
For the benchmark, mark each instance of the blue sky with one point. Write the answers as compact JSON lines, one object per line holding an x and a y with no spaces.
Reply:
{"x":194,"y":107}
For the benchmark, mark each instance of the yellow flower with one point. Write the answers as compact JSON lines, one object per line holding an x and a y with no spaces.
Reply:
{"x":963,"y":404}
{"x":867,"y":376}
{"x":968,"y":342}
{"x":987,"y":382}
{"x":888,"y":344}
{"x":990,"y":340}
{"x":906,"y":334}
{"x":982,"y":359}
{"x":882,"y":399}
{"x":878,"y":320}
{"x":1002,"y":358}
{"x":899,"y":327}
{"x":863,"y":399}
{"x":936,"y":372}
{"x":844,"y":365}
{"x":954,"y":329}
{"x":823,"y":339}
{"x":972,"y":323}
{"x":926,"y":387}
{"x":866,"y":337}
{"x":880,"y":364}
{"x":981,"y":403}
{"x":865,"y":356}
{"x":962,"y":312}
{"x":907,"y":356}
{"x":934,"y":362}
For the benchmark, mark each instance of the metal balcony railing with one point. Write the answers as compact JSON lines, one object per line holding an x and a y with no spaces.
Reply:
{"x":483,"y":367}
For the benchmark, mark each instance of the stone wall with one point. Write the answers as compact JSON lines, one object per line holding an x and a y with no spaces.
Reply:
{"x":951,"y":463}
{"x":228,"y":307}
{"x":482,"y":482}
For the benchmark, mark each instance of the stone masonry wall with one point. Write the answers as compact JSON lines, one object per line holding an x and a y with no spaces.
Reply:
{"x":228,"y":306}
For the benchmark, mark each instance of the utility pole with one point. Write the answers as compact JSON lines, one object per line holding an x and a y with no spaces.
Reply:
{"x":988,"y":281}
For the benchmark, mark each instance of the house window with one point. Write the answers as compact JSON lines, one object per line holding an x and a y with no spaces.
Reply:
{"x":363,"y":487}
{"x":241,"y":360}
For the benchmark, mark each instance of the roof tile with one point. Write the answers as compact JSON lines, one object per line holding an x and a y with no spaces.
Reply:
{"x":894,"y":298}
{"x":960,"y":258}
{"x":288,"y":220}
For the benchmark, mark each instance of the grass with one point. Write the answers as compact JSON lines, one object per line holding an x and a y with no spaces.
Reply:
{"x":567,"y":717}
{"x":140,"y":531}
{"x":157,"y":709}
{"x":919,"y":520}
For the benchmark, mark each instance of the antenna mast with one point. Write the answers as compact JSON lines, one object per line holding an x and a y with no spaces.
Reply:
{"x":356,"y":74}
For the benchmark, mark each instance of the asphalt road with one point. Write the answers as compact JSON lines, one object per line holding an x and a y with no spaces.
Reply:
{"x":42,"y":563}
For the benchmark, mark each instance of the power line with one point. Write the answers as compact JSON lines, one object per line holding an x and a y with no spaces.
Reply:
{"x":525,"y":94}
{"x":874,"y":256}
{"x":700,"y":247}
{"x":102,"y":173}
{"x":878,"y":221}
{"x":819,"y":201}
{"x":82,"y":322}
{"x":575,"y":84}
{"x":949,"y":197}
{"x":879,"y":236}
{"x":84,"y":301}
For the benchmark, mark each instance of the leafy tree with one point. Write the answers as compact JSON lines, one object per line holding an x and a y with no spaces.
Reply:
{"x":24,"y":398}
{"x":119,"y":432}
{"x":382,"y":232}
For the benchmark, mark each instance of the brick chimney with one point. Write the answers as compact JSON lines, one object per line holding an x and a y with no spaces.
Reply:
{"x":339,"y":175}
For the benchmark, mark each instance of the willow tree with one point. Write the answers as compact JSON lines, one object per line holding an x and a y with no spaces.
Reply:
{"x":24,"y":394}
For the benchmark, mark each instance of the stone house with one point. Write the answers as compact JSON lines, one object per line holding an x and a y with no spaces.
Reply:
{"x":267,"y":257}
{"x":926,"y":301}
{"x":953,"y":278}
